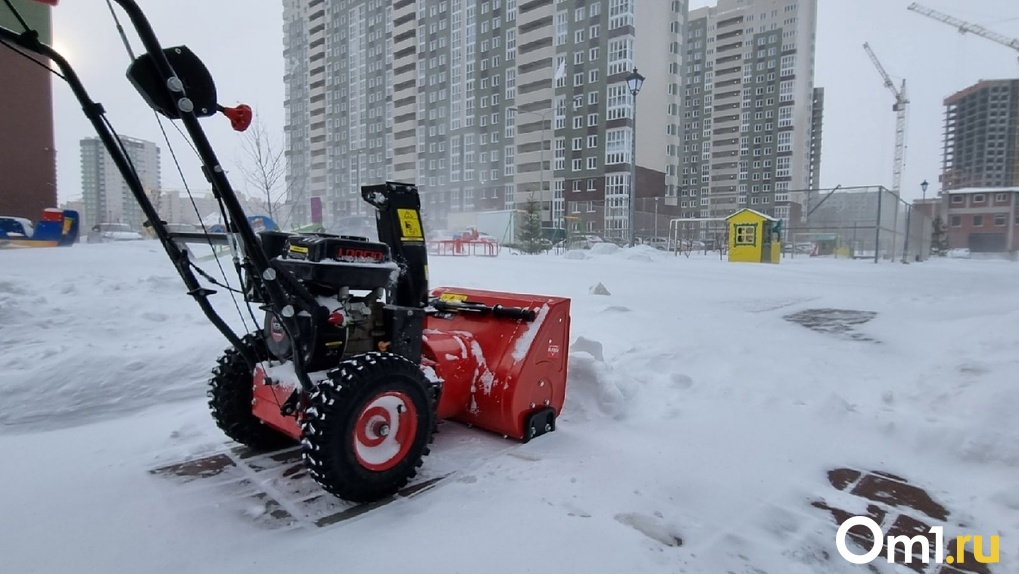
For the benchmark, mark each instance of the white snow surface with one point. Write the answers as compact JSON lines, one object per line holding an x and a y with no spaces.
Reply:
{"x":694,"y":412}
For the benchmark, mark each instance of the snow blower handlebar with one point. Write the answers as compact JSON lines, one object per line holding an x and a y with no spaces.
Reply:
{"x":160,"y":84}
{"x":94,"y":111}
{"x":517,"y":313}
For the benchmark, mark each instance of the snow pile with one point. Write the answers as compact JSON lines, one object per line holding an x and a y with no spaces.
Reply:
{"x":604,"y":248}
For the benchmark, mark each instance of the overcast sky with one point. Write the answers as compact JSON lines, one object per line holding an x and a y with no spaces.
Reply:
{"x":241,"y":43}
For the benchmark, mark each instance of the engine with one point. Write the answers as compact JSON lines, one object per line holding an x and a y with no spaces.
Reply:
{"x":352,"y":279}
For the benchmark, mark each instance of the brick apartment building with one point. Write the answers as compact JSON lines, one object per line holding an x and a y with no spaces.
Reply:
{"x":985,"y":220}
{"x":27,"y":154}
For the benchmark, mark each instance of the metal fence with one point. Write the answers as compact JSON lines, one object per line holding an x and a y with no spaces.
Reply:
{"x":860,"y":223}
{"x":651,"y":219}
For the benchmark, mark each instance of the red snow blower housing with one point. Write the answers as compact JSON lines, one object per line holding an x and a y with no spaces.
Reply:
{"x":355,"y":357}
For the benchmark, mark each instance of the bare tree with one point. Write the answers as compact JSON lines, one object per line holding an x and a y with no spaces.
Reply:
{"x":263,"y":165}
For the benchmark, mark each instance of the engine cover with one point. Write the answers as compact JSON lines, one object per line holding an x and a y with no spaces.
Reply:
{"x":329,"y":262}
{"x":338,"y":248}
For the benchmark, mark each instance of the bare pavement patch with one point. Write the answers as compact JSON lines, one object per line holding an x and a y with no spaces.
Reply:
{"x":899,"y":509}
{"x":839,"y":322}
{"x":274,"y":491}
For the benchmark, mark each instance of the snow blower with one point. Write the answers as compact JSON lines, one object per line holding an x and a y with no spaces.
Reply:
{"x":355,"y":358}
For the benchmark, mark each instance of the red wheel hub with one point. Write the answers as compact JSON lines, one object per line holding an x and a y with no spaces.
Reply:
{"x":384,"y":431}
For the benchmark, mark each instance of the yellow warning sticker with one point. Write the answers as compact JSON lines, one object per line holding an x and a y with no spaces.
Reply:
{"x":452,"y":297}
{"x":298,"y":249}
{"x":410,"y":225}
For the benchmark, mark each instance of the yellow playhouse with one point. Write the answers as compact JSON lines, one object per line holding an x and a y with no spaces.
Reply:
{"x":753,"y":237}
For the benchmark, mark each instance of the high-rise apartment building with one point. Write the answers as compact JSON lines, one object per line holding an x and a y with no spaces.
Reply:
{"x":338,"y":97}
{"x":982,"y":136}
{"x":28,"y":183}
{"x":485,"y":104}
{"x":105,"y":193}
{"x":751,"y":114}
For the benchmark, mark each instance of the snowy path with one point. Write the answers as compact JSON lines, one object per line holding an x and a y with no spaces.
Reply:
{"x":695,"y":411}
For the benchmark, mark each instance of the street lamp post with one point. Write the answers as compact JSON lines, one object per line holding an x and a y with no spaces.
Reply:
{"x":634,"y":82}
{"x":923,"y":202}
{"x":656,"y":220}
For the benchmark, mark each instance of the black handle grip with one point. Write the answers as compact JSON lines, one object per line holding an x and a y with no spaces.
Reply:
{"x":514,"y":313}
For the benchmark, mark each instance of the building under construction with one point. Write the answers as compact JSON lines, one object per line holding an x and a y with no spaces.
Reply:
{"x":982,"y":136}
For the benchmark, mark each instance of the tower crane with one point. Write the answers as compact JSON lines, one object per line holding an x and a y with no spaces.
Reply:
{"x":901,"y":103}
{"x":965,"y":27}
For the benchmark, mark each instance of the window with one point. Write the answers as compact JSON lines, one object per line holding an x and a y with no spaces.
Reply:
{"x":577,"y":164}
{"x":978,"y":221}
{"x":620,"y":55}
{"x":592,"y":141}
{"x":746,"y":234}
{"x":978,"y":198}
{"x":620,"y":13}
{"x":999,"y":197}
{"x":999,"y":219}
{"x":620,"y":101}
{"x":510,"y":166}
{"x":578,"y":144}
{"x":592,"y":163}
{"x":957,"y":199}
{"x":618,"y":146}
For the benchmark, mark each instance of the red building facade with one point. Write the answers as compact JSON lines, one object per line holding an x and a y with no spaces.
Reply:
{"x":28,"y":179}
{"x":984,"y":220}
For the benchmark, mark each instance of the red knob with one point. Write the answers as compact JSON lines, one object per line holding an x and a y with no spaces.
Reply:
{"x":240,"y":116}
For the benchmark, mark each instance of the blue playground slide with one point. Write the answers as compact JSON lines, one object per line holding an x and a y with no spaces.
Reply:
{"x":56,"y":228}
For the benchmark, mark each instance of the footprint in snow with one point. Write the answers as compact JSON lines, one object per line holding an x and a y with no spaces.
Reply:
{"x":651,"y":527}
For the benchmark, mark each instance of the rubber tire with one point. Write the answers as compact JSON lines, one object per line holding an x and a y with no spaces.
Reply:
{"x":231,"y":390}
{"x":328,"y":425}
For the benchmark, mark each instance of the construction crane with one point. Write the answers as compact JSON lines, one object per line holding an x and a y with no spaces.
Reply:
{"x":965,"y":27}
{"x":901,"y":103}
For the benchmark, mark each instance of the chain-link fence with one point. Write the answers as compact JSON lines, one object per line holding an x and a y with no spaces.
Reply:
{"x":860,"y":223}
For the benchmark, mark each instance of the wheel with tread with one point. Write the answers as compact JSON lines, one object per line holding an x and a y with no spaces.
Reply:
{"x":367,"y":427}
{"x":231,"y":390}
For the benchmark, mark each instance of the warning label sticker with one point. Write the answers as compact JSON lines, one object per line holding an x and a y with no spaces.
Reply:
{"x":452,"y":297}
{"x":410,"y":225}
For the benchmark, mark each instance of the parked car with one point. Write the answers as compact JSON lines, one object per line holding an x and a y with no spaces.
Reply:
{"x":661,"y":243}
{"x":584,"y":242}
{"x":106,"y":232}
{"x":16,"y":225}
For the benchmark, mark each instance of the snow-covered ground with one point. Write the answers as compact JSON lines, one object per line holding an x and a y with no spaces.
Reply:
{"x":694,"y":411}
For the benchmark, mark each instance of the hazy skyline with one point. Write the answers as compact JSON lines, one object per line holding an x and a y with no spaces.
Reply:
{"x":242,"y":48}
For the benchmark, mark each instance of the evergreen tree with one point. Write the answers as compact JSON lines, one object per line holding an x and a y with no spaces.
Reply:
{"x":939,"y":237}
{"x":529,"y":238}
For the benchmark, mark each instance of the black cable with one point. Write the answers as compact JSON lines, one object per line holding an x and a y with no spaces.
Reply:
{"x":27,"y":56}
{"x":212,"y":279}
{"x":222,"y":212}
{"x":123,"y":36}
{"x":219,"y":264}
